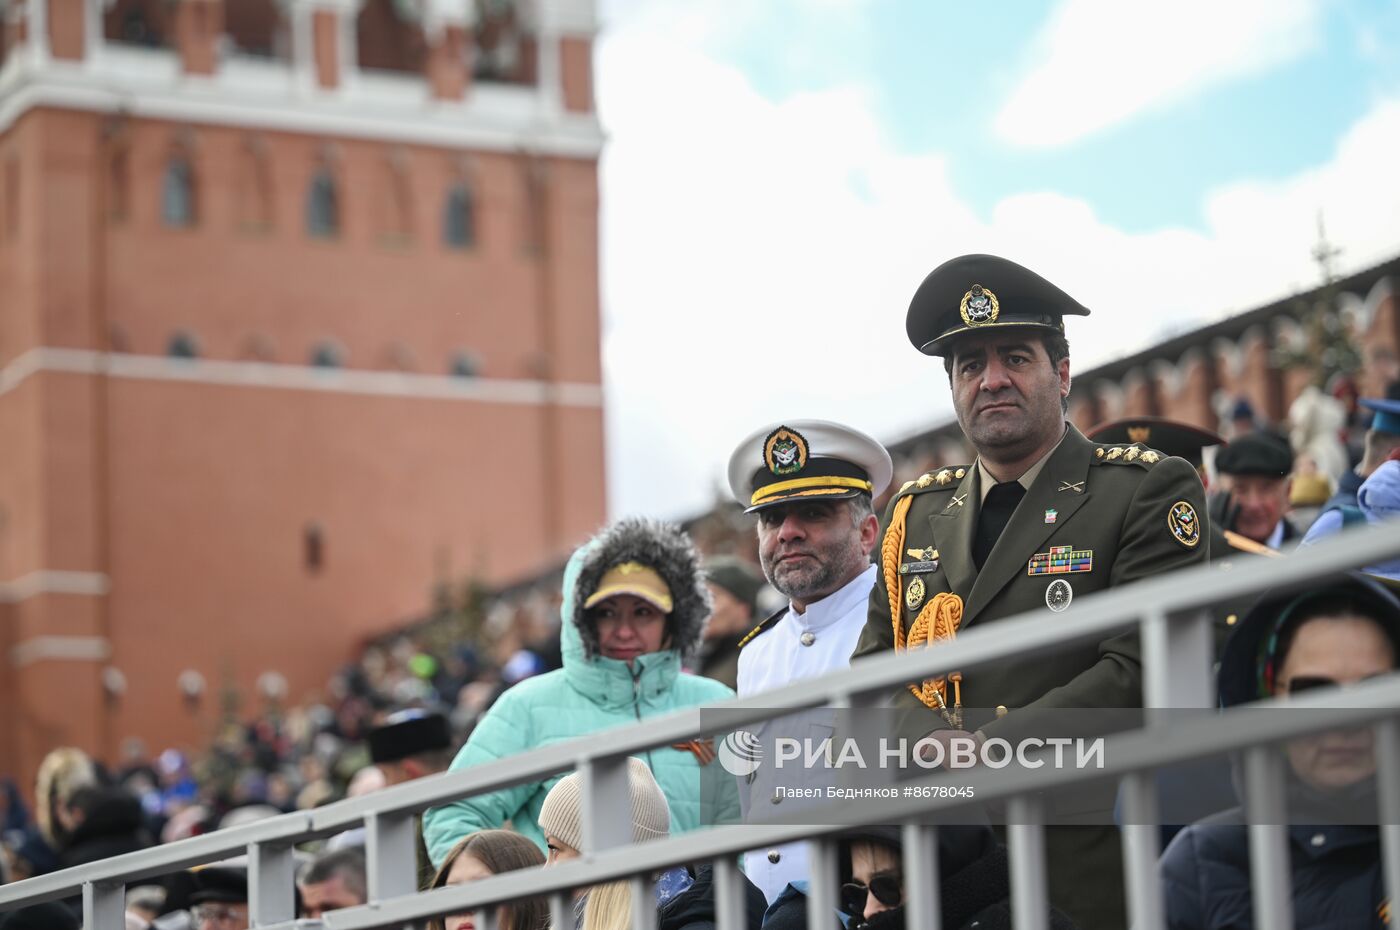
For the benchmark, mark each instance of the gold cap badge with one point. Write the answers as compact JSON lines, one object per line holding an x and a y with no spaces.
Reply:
{"x":979,"y":306}
{"x":785,"y":451}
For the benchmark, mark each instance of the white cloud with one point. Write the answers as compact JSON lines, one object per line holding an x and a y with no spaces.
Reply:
{"x":758,"y":259}
{"x":1098,"y":63}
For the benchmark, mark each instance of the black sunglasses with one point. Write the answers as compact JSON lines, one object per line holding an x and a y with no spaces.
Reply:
{"x":1301,"y":683}
{"x":887,"y":887}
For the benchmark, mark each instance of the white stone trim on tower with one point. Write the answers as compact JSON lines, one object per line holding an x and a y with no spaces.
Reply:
{"x":37,"y":31}
{"x":437,"y":15}
{"x":541,"y":19}
{"x":255,"y":94}
{"x":52,"y":581}
{"x":60,"y":648}
{"x":279,"y":376}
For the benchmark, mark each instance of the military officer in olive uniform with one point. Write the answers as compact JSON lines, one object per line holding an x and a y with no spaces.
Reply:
{"x":1041,"y":518}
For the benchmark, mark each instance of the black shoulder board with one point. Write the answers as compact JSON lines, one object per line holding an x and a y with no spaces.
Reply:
{"x":763,"y":627}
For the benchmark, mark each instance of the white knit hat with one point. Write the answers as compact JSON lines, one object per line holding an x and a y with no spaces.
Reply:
{"x":561,"y":813}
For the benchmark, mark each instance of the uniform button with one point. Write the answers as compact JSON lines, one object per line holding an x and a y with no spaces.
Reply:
{"x":1232,"y":620}
{"x":809,"y":638}
{"x":1317,"y":840}
{"x":774,"y":856}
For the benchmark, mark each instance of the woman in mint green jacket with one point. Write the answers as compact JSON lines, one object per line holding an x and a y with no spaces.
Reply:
{"x":634,"y":609}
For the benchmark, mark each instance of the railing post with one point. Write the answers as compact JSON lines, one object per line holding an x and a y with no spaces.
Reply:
{"x":822,"y":897}
{"x":1388,"y":789}
{"x":104,"y":906}
{"x":271,"y":875}
{"x":1268,"y":837}
{"x":1140,"y":851}
{"x":391,"y":855}
{"x":1025,"y":831}
{"x":643,"y":903}
{"x":607,"y":806}
{"x":561,"y":913}
{"x":730,"y":905}
{"x":1177,"y":655}
{"x":921,"y":876}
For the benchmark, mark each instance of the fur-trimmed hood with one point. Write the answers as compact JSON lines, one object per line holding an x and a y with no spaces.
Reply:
{"x":664,"y":547}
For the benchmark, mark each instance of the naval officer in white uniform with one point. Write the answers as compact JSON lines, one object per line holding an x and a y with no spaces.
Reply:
{"x":811,"y":484}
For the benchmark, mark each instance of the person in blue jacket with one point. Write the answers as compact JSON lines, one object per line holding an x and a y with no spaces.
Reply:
{"x":634,"y":611}
{"x":1338,"y":633}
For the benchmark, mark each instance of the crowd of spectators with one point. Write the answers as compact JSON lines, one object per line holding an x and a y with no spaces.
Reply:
{"x":300,"y":756}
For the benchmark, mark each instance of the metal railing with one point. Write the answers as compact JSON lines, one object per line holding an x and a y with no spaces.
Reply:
{"x":1171,"y":612}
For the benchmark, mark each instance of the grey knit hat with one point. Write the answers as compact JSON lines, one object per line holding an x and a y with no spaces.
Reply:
{"x":561,"y":813}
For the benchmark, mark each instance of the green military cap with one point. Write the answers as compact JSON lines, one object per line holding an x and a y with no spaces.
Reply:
{"x":1169,"y":437}
{"x":1256,"y":454}
{"x":983,"y":292}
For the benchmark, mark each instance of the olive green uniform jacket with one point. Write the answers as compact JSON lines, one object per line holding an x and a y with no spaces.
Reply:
{"x":1120,"y":505}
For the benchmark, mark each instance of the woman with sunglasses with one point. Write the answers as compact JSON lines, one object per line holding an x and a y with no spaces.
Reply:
{"x":1338,"y":634}
{"x":974,"y":884}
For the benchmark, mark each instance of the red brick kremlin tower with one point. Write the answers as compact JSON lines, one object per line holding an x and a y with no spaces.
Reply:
{"x":298,"y":317}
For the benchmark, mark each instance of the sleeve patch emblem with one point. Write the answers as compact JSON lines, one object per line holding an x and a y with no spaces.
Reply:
{"x":1181,"y":520}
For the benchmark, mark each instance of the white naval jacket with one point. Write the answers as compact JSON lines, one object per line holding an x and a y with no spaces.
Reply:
{"x":798,"y":646}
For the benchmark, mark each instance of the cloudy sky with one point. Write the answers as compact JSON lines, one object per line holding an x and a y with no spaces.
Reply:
{"x":781,"y":174}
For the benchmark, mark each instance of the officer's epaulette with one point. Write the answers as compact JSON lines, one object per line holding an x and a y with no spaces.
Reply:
{"x":942,"y":479}
{"x":1245,"y":544}
{"x":763,"y":627}
{"x":1135,"y":454}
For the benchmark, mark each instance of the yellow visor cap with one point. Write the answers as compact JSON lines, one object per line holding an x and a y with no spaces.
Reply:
{"x":635,"y":579}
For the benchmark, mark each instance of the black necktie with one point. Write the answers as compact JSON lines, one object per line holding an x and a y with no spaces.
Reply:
{"x":996,"y":513}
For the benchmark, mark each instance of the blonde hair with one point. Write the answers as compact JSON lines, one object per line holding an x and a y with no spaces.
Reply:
{"x":609,"y":907}
{"x":61,"y":774}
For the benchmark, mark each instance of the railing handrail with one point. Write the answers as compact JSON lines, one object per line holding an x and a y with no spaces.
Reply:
{"x":1095,"y":617}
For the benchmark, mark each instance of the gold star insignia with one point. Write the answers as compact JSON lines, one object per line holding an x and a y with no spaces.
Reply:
{"x":907,"y":486}
{"x":1131,"y":454}
{"x":924,"y":480}
{"x":1150,"y":457}
{"x":944,"y":476}
{"x":1114,"y":453}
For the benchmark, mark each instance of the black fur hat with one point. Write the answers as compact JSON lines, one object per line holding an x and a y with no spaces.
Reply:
{"x":664,"y":547}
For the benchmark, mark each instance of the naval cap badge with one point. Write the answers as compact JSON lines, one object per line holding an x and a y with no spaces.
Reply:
{"x":785,"y":451}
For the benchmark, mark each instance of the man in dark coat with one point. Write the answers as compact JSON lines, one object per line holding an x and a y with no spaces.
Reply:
{"x":1042,"y":515}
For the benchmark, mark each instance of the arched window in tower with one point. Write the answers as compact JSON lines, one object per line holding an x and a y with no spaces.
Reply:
{"x":182,"y":345}
{"x":459,"y":218}
{"x":327,"y":354}
{"x":253,"y":187}
{"x":465,"y":364}
{"x":323,"y":205}
{"x":313,"y":547}
{"x":177,"y":192}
